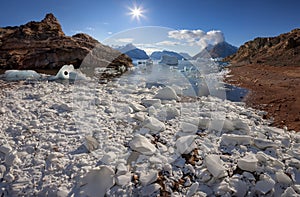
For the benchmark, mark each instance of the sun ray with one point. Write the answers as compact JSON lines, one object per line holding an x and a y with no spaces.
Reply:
{"x":136,"y":12}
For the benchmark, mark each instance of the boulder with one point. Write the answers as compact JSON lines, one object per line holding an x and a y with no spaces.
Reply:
{"x":166,"y":93}
{"x":43,"y":45}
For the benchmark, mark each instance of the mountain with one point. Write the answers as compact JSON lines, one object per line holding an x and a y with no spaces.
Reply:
{"x":133,"y":52}
{"x":220,"y":50}
{"x":157,"y":55}
{"x":185,"y":55}
{"x":279,"y":50}
{"x":43,"y":45}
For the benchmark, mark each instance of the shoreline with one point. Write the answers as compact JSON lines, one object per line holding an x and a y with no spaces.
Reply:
{"x":274,"y":89}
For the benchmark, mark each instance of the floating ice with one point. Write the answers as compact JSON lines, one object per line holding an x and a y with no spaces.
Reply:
{"x":142,"y":145}
{"x":17,"y":75}
{"x":215,"y":166}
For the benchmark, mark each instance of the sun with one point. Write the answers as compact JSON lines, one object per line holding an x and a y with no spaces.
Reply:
{"x":136,"y":12}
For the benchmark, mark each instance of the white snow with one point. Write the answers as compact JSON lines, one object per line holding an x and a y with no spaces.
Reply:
{"x":119,"y":139}
{"x":17,"y":75}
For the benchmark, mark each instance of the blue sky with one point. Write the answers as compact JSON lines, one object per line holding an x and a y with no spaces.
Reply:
{"x":239,"y":20}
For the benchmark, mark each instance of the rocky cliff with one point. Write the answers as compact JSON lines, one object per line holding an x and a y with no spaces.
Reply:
{"x":278,"y":51}
{"x":43,"y":45}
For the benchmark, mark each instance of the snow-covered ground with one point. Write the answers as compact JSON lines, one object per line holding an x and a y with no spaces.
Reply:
{"x":122,"y":139}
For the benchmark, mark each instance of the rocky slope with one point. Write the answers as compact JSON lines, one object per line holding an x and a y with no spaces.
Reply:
{"x":43,"y":45}
{"x":222,"y":50}
{"x":277,"y":51}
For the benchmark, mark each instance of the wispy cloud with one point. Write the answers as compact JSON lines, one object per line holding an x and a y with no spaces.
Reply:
{"x":125,"y":40}
{"x":167,"y":43}
{"x":197,"y":37}
{"x":109,"y":33}
{"x":90,"y":28}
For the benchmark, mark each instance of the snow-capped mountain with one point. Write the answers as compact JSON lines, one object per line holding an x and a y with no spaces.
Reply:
{"x":157,"y":55}
{"x":133,"y":52}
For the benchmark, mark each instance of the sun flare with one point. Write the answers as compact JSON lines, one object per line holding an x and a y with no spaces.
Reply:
{"x":136,"y":12}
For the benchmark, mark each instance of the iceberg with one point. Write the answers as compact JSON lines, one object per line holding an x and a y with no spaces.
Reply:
{"x":66,"y":72}
{"x":18,"y":75}
{"x":169,"y":60}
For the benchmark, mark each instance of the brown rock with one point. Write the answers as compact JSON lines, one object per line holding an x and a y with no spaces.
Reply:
{"x":277,"y":51}
{"x":43,"y":45}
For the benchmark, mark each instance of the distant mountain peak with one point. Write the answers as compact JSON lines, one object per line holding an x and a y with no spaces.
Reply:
{"x":219,"y":50}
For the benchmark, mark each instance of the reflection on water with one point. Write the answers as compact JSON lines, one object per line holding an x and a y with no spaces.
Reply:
{"x":190,"y":78}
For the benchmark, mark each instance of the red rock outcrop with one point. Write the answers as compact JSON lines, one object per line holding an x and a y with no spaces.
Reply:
{"x":277,"y":51}
{"x":43,"y":45}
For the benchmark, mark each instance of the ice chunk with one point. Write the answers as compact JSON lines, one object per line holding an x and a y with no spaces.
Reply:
{"x":281,"y":177}
{"x":137,"y":107}
{"x":166,"y":93}
{"x":150,"y":102}
{"x":264,"y":186}
{"x":215,"y":166}
{"x":264,"y":143}
{"x":150,"y":189}
{"x":192,"y":189}
{"x":97,"y":182}
{"x":186,"y":144}
{"x":289,"y":192}
{"x":148,"y":178}
{"x":248,"y":163}
{"x":122,"y":169}
{"x":64,"y":73}
{"x":5,"y":148}
{"x":123,"y":180}
{"x":154,"y":125}
{"x":188,"y":127}
{"x":239,"y":186}
{"x":91,"y":143}
{"x":232,"y":139}
{"x":17,"y":75}
{"x":141,"y":144}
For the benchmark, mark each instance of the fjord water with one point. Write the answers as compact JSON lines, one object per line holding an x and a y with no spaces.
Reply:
{"x":188,"y":78}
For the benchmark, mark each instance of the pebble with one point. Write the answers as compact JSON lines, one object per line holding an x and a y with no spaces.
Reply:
{"x":150,"y":189}
{"x":5,"y":149}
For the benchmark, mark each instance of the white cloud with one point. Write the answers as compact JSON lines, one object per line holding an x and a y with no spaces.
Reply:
{"x":109,"y":33}
{"x":125,"y":40}
{"x":197,"y":37}
{"x":167,"y":43}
